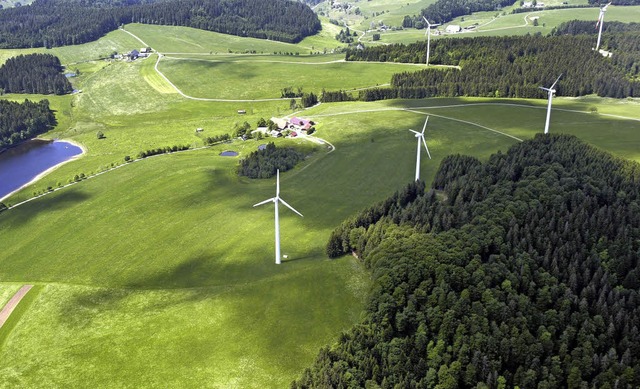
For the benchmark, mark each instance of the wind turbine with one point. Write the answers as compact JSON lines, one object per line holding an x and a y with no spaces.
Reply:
{"x":600,"y":23}
{"x":277,"y":200}
{"x":550,"y":91}
{"x":420,"y":136}
{"x":428,"y":34}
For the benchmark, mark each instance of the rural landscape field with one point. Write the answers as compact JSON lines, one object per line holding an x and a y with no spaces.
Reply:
{"x":159,"y":272}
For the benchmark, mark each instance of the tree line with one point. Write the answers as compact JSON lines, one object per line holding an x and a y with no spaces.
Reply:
{"x":443,"y":11}
{"x":265,"y":163}
{"x":520,"y":271}
{"x":34,"y":73}
{"x":49,"y":23}
{"x":511,"y":67}
{"x":587,"y":27}
{"x":23,"y":121}
{"x":616,"y":2}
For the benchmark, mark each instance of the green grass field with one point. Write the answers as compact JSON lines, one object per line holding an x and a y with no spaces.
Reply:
{"x":259,"y":77}
{"x":161,"y":274}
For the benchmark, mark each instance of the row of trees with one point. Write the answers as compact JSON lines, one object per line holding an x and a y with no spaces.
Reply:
{"x":48,"y":23}
{"x":23,"y":121}
{"x":521,"y":271}
{"x":265,"y":163}
{"x":161,"y":150}
{"x":212,"y":140}
{"x":511,"y":67}
{"x":34,"y":73}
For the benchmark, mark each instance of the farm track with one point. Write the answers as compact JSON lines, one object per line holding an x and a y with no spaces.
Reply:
{"x":13,"y":303}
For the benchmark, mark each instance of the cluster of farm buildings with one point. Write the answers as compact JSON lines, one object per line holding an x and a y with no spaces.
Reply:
{"x":134,"y":54}
{"x":293,"y":127}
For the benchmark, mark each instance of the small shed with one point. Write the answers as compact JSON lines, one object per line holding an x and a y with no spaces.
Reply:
{"x":241,"y":112}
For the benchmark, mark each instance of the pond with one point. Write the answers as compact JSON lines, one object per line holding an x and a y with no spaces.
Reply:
{"x":229,"y":154}
{"x":22,"y":164}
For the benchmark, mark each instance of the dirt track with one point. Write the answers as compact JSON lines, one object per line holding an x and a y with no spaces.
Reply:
{"x":13,"y":303}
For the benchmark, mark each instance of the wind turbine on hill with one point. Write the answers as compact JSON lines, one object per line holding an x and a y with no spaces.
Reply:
{"x":420,"y":136}
{"x":428,"y":34}
{"x":600,"y":23}
{"x":275,"y":201}
{"x":550,"y":91}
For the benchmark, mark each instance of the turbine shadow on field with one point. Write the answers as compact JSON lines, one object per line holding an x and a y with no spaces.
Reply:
{"x":195,"y":272}
{"x":64,"y":199}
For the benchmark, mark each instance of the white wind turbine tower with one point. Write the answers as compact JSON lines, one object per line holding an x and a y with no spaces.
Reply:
{"x":550,"y":91}
{"x":428,"y":34}
{"x":420,"y":136}
{"x":600,"y":24}
{"x":275,"y":201}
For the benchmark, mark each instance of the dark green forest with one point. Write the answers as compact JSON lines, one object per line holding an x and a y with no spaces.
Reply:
{"x":265,"y":163}
{"x":511,"y":67}
{"x":615,"y":2}
{"x":522,"y":270}
{"x":577,"y":27}
{"x":49,"y":23}
{"x":34,"y":73}
{"x":443,"y":11}
{"x":22,"y":121}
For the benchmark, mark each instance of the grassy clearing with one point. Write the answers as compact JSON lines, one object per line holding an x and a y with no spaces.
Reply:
{"x":153,"y":78}
{"x":191,"y":40}
{"x":115,"y":41}
{"x":264,"y":77}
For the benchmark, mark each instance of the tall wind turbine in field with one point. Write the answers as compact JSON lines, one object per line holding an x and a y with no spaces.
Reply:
{"x":275,"y":201}
{"x":600,"y":22}
{"x":428,"y":34}
{"x":420,"y":136}
{"x":550,"y":91}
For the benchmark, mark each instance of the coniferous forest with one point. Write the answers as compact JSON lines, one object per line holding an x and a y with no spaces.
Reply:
{"x":616,"y":2}
{"x":22,"y":121}
{"x":511,"y":67}
{"x":443,"y":11}
{"x":49,"y":23}
{"x":265,"y":163}
{"x":519,"y":271}
{"x":34,"y":73}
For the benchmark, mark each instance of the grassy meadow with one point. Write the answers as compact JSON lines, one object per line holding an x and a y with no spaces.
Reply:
{"x":161,"y":273}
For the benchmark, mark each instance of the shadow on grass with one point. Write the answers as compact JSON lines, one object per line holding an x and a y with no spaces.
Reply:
{"x":54,"y":202}
{"x":197,"y":279}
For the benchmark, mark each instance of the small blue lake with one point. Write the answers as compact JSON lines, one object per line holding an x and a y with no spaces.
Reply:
{"x":229,"y":154}
{"x":21,"y":164}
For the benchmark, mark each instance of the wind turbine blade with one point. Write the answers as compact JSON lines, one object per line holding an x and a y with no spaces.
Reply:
{"x":546,"y":89}
{"x":415,"y":132}
{"x":264,"y":202}
{"x":557,"y":79}
{"x":424,"y":142}
{"x":277,"y":182}
{"x":425,"y":126}
{"x":290,"y":207}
